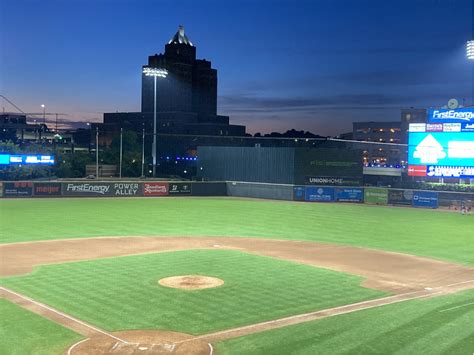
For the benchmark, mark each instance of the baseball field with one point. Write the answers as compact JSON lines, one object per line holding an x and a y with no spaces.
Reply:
{"x":202,"y":275}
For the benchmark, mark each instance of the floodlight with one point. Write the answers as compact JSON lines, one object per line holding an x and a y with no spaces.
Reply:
{"x":162,"y":73}
{"x":470,"y":50}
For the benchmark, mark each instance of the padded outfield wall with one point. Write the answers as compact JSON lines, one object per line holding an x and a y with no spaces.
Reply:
{"x":288,"y":192}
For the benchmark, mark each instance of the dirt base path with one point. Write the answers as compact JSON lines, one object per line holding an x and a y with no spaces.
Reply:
{"x":387,"y":271}
{"x":408,"y":276}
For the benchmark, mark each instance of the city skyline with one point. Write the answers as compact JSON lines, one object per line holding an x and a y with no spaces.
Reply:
{"x":317,"y":66}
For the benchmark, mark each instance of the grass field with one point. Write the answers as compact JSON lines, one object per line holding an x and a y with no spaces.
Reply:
{"x":23,"y":332}
{"x":435,"y":234}
{"x":442,"y":325}
{"x":123,"y":293}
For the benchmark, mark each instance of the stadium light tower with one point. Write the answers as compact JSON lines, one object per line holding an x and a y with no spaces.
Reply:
{"x":155,"y":73}
{"x":470,"y":50}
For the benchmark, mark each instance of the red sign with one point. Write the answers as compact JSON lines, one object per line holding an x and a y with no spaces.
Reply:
{"x":155,"y":189}
{"x":416,"y":170}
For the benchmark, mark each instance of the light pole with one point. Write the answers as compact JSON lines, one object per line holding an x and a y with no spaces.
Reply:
{"x":162,"y":73}
{"x":97,"y":152}
{"x":121,"y":148}
{"x":143,"y":151}
{"x":44,"y":113}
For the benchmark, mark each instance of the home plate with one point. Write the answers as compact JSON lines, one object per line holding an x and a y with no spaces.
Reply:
{"x":142,"y":348}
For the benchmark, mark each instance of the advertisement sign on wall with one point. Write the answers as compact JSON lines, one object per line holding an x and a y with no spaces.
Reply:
{"x":298,"y":193}
{"x":332,"y":181}
{"x":400,"y":197}
{"x":376,"y":195}
{"x":87,"y":189}
{"x":47,"y":189}
{"x":127,"y":189}
{"x":179,"y":188}
{"x":349,"y":194}
{"x":155,"y":189}
{"x":428,"y":199}
{"x":17,"y":189}
{"x":320,"y":194}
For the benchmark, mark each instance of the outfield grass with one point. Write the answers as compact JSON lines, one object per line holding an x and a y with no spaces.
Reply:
{"x":23,"y":332}
{"x":441,"y":325}
{"x":436,"y":234}
{"x":123,"y":293}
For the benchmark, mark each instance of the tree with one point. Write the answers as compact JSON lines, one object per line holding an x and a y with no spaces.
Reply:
{"x":132,"y":152}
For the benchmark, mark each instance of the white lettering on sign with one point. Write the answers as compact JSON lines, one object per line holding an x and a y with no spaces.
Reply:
{"x":452,"y":114}
{"x":460,"y":149}
{"x":88,"y":188}
{"x":451,"y":127}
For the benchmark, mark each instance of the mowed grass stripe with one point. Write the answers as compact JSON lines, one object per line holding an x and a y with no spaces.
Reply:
{"x":23,"y":332}
{"x":123,"y":293}
{"x":412,"y":327}
{"x":428,"y":233}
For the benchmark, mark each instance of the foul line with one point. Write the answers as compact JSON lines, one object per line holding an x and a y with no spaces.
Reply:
{"x":62,"y":314}
{"x":342,"y":310}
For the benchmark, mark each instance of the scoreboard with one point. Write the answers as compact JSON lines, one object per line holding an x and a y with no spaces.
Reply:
{"x":443,"y":147}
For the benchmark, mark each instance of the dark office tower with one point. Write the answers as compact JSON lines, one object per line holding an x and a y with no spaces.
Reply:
{"x":191,"y":84}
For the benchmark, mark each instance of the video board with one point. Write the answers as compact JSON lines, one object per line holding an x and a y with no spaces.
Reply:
{"x":26,"y":159}
{"x":443,"y":147}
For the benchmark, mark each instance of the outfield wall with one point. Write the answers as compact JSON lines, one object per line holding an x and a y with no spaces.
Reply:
{"x":304,"y":193}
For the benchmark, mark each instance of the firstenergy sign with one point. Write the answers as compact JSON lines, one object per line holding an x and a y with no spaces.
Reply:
{"x":460,"y":115}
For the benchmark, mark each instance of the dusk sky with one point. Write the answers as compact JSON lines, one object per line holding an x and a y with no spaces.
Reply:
{"x":312,"y":65}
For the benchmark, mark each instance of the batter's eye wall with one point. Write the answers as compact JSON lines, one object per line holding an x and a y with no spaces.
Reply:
{"x":280,"y":165}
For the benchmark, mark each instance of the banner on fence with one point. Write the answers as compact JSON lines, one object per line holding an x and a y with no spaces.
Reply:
{"x":155,"y":189}
{"x":320,"y":194}
{"x":47,"y":189}
{"x":18,"y":189}
{"x":179,"y":188}
{"x":127,"y":189}
{"x":87,"y":189}
{"x":400,"y":197}
{"x":428,"y":199}
{"x":349,"y":194}
{"x":298,"y":193}
{"x":376,"y":195}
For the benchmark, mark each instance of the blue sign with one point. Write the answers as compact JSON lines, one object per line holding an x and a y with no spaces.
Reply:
{"x":27,"y":159}
{"x":320,"y":194}
{"x":298,"y":193}
{"x":444,"y":115}
{"x":467,"y":127}
{"x":441,"y":148}
{"x":463,"y":172}
{"x":349,"y":195}
{"x":426,"y":199}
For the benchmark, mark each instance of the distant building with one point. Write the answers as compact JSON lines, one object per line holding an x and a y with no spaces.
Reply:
{"x":186,"y":101}
{"x":14,"y":127}
{"x":379,"y":132}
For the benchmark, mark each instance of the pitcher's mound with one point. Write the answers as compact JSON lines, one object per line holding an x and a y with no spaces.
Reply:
{"x":141,"y":342}
{"x":191,"y":282}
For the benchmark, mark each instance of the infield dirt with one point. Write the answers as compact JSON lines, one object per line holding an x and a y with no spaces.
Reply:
{"x":407,"y":276}
{"x":386,"y":271}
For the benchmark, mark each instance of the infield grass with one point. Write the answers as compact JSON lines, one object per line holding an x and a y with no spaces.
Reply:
{"x":123,"y":293}
{"x":436,"y":234}
{"x":441,"y":325}
{"x":23,"y":332}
